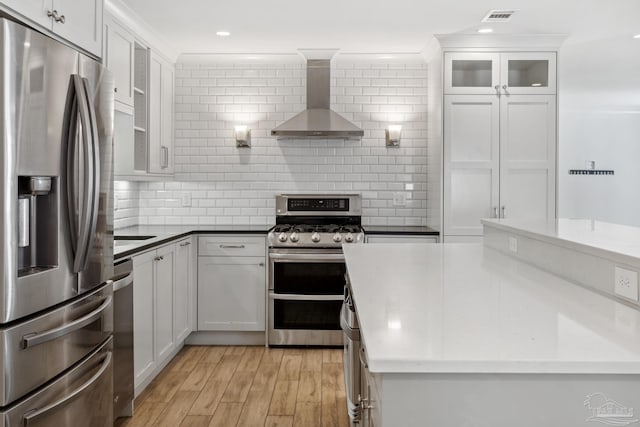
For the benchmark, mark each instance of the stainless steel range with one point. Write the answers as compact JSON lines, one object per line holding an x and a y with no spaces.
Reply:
{"x":307,"y":269}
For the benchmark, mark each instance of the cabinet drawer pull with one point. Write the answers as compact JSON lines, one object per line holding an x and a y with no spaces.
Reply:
{"x":185,"y":244}
{"x":261,"y":264}
{"x":159,"y":258}
{"x":231,"y":246}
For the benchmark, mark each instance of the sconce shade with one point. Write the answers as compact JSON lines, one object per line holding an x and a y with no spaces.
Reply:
{"x":243,"y":136}
{"x":392,"y":135}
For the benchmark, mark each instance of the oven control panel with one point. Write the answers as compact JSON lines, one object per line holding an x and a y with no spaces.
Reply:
{"x":318,"y":205}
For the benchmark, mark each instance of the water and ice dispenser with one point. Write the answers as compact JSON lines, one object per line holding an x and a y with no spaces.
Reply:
{"x":37,"y":224}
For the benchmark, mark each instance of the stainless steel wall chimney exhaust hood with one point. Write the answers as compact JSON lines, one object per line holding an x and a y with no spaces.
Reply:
{"x":318,"y":121}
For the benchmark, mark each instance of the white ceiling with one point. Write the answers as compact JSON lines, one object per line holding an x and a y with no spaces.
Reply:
{"x":371,"y":26}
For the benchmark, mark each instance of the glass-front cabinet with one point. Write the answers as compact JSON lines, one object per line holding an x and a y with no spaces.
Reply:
{"x":503,"y":73}
{"x":472,"y":73}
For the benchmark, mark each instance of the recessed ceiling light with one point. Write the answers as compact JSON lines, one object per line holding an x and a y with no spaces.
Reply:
{"x":485,"y":30}
{"x":637,"y":36}
{"x":223,"y":33}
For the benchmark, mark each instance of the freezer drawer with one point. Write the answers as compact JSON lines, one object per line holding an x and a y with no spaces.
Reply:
{"x":38,"y":349}
{"x":82,"y":396}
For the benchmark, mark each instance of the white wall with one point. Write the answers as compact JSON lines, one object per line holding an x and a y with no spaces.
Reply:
{"x":237,"y":185}
{"x":599,"y":120}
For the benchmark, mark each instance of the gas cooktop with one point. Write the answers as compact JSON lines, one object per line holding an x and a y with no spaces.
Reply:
{"x":322,"y":221}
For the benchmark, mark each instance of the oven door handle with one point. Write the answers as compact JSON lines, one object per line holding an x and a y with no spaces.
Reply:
{"x":352,"y":333}
{"x":309,"y":257}
{"x":300,"y":297}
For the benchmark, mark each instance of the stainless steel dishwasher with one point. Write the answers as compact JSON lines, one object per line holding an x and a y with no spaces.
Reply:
{"x":123,"y":339}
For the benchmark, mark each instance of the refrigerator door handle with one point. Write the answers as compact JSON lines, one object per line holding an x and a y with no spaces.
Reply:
{"x":32,"y":340}
{"x":30,"y":417}
{"x":72,"y":190}
{"x":95,"y":158}
{"x":80,"y":108}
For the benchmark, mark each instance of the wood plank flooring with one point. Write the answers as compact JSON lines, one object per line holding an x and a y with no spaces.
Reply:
{"x":230,"y":386}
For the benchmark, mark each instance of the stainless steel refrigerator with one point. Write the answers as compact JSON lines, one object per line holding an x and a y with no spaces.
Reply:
{"x":56,"y":240}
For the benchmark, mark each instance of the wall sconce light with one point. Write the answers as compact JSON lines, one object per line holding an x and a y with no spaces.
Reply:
{"x":392,"y":135}
{"x":243,"y":136}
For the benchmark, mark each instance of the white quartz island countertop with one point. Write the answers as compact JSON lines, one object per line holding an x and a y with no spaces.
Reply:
{"x":613,"y":241}
{"x":466,"y":308}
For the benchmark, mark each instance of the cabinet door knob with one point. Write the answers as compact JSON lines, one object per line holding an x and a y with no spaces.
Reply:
{"x":497,"y":88}
{"x":115,"y":89}
{"x":261,"y":264}
{"x":54,"y":14}
{"x":504,"y":211}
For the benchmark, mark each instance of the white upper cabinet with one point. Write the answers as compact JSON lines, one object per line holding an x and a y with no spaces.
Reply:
{"x":78,"y":21}
{"x":506,"y":73}
{"x":119,"y":50}
{"x":528,"y":73}
{"x":35,"y":10}
{"x":161,"y":89}
{"x":82,"y":24}
{"x":472,"y":73}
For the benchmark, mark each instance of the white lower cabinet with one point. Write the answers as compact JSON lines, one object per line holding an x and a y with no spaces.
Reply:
{"x":184,"y":290}
{"x":163,"y":287}
{"x":162,"y":291}
{"x":499,"y":160}
{"x":231,"y":284}
{"x":370,"y":395}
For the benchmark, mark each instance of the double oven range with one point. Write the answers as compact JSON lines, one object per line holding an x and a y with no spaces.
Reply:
{"x":307,"y":268}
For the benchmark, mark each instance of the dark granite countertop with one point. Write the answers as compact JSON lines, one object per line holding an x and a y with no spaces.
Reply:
{"x":166,"y":233}
{"x":407,"y":230}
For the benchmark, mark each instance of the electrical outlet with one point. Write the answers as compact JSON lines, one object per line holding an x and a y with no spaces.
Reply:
{"x":186,"y":199}
{"x":513,"y":244}
{"x":626,"y":283}
{"x":399,"y":199}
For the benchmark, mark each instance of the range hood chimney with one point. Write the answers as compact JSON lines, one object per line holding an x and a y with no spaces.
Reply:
{"x":318,"y":120}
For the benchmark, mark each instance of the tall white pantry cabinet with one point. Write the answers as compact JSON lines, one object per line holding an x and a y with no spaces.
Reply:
{"x":499,"y":137}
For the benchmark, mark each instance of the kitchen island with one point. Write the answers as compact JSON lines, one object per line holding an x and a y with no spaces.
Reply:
{"x":463,"y":335}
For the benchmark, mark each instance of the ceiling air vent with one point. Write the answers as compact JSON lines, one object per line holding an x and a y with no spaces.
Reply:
{"x":498,"y":16}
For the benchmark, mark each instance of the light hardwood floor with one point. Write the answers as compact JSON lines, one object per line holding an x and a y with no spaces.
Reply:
{"x":245,"y":386}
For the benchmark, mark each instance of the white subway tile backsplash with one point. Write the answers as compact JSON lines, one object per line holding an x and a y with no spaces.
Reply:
{"x":229,"y":185}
